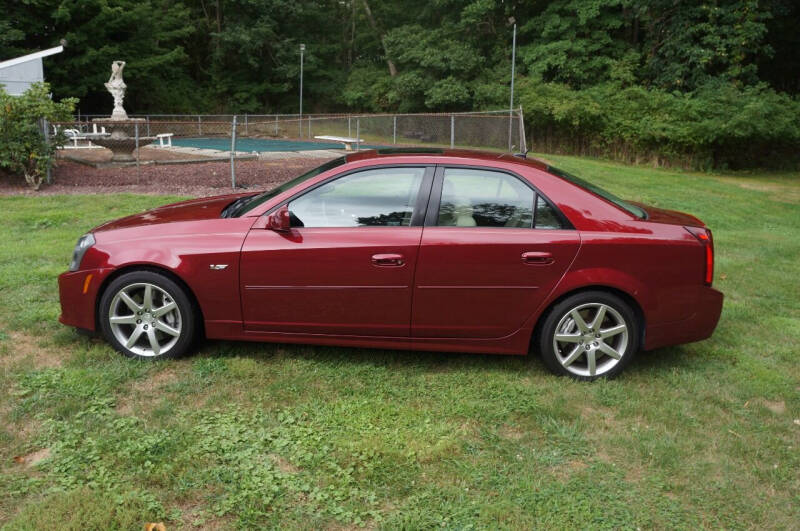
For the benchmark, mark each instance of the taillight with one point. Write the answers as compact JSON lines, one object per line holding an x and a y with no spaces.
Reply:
{"x":704,"y":237}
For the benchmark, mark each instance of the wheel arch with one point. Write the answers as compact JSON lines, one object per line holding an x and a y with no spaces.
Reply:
{"x":130,"y":268}
{"x":613,"y":290}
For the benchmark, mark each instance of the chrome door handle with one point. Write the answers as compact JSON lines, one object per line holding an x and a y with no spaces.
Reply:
{"x":537,"y":258}
{"x":388,"y":260}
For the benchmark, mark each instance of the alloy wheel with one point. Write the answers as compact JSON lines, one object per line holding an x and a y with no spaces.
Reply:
{"x":590,"y":339}
{"x":145,"y":319}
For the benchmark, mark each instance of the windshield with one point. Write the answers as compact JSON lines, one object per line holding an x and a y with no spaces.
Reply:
{"x":608,"y":196}
{"x":259,"y":199}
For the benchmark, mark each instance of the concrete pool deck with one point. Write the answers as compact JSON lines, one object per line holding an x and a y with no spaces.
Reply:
{"x":189,"y":155}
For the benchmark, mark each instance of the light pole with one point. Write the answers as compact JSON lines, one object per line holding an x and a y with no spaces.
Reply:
{"x":513,"y":60}
{"x":300,"y":121}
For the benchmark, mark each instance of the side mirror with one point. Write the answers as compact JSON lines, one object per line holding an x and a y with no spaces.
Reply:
{"x":279,"y":220}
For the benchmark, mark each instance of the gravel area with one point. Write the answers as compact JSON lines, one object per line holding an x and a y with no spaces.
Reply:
{"x":195,"y":179}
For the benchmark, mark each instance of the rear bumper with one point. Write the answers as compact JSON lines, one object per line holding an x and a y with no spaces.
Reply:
{"x":696,"y":328}
{"x":77,"y":293}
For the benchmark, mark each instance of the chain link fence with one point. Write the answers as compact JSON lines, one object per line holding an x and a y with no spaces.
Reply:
{"x":165,"y":139}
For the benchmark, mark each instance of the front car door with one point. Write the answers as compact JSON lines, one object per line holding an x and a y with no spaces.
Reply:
{"x":492,"y":250}
{"x":346,"y":267}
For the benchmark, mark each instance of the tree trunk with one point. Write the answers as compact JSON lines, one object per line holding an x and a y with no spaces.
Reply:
{"x":374,"y":24}
{"x":218,"y":15}
{"x":34,"y":179}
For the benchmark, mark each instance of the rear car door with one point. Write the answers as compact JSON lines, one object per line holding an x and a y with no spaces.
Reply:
{"x":492,"y":250}
{"x":346,"y":266}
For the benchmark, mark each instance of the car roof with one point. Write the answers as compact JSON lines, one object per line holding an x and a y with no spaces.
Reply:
{"x":387,"y":153}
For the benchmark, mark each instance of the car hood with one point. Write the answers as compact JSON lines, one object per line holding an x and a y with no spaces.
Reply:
{"x":191,"y":210}
{"x":669,"y":217}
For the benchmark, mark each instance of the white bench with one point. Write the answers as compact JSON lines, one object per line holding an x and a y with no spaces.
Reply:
{"x":348,"y":142}
{"x":76,"y":137}
{"x":162,"y":137}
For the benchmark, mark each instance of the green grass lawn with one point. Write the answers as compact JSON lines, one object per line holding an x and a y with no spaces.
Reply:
{"x":249,"y":435}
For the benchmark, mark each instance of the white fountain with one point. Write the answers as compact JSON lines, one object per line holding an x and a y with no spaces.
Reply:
{"x":122,"y":140}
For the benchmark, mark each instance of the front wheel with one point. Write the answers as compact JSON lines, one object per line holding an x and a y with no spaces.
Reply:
{"x":146,"y":315}
{"x":589,"y":335}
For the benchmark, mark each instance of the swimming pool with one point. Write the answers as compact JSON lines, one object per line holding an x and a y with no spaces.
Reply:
{"x":259,"y":144}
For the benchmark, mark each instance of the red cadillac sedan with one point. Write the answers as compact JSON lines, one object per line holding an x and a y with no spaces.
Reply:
{"x":440,"y":250}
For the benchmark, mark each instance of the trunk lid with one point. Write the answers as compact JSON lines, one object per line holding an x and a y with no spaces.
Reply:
{"x":669,"y":217}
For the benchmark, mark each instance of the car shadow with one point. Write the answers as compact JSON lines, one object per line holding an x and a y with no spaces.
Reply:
{"x":658,"y":360}
{"x":655,"y":361}
{"x":428,"y":361}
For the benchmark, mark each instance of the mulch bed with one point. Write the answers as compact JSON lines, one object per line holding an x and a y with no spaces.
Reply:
{"x":196,"y":179}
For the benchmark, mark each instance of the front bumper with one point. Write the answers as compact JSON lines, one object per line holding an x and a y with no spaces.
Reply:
{"x":696,"y":328}
{"x":77,"y":291}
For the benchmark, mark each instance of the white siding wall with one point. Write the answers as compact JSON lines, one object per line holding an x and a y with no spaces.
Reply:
{"x":17,"y":79}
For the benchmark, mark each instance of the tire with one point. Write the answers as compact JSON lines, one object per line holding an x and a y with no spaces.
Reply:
{"x":164,"y":327}
{"x":588,"y":350}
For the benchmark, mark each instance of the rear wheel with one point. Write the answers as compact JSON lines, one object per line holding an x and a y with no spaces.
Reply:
{"x":147,"y":315}
{"x":589,"y":335}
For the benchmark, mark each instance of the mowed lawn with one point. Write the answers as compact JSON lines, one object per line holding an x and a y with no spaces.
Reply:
{"x":259,"y":435}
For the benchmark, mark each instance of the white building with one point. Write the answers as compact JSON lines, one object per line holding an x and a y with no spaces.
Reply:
{"x":17,"y":75}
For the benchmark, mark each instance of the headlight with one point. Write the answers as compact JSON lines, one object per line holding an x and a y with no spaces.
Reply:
{"x":84,"y":242}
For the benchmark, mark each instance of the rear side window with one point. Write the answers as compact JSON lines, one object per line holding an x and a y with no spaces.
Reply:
{"x":545,"y":215}
{"x":486,"y":198}
{"x":481,"y":198}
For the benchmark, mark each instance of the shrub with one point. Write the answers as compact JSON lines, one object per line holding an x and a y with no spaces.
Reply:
{"x":716,"y":126}
{"x":23,"y":148}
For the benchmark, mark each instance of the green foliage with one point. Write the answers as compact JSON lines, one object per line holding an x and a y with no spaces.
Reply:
{"x":661,"y":43}
{"x":450,"y":65}
{"x":368,"y":88}
{"x":575,"y":42}
{"x":150,"y":35}
{"x":23,"y":148}
{"x":242,"y":56}
{"x":254,"y":52}
{"x":704,"y":42}
{"x":9,"y":34}
{"x":717,"y":125}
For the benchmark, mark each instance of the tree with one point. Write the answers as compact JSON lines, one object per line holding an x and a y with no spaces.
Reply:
{"x":381,"y":36}
{"x":446,"y":58}
{"x":578,"y":43}
{"x":254,"y":59}
{"x":148,"y":34}
{"x":575,"y":58}
{"x":689,"y":45}
{"x":23,"y":148}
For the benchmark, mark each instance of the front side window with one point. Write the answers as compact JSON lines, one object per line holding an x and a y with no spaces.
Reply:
{"x":484,"y":198}
{"x":379,"y":197}
{"x":247,"y":204}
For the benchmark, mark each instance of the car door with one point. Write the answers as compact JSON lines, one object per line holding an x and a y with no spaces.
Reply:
{"x":491,"y":251}
{"x":347,"y":264}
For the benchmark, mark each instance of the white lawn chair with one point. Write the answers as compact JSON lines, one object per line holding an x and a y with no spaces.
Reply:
{"x":76,"y":137}
{"x":164,"y":137}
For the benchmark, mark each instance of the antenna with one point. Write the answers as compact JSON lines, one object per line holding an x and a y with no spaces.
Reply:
{"x":522,"y":155}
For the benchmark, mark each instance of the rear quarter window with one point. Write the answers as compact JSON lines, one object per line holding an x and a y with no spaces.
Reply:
{"x":596,"y":190}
